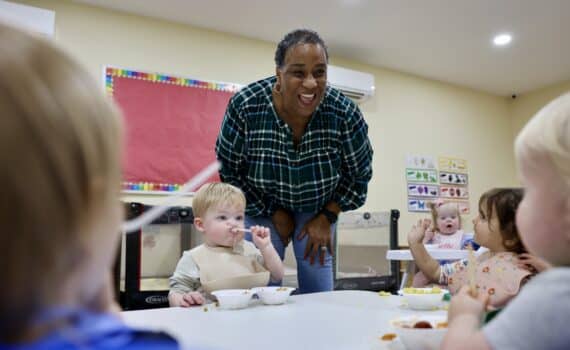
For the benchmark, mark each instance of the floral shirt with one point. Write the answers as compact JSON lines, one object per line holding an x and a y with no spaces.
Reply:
{"x":497,"y":275}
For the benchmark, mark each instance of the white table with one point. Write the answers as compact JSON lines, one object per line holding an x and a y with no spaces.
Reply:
{"x":331,"y":320}
{"x":438,"y":254}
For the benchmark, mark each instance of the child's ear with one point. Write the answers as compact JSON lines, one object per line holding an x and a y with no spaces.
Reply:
{"x":199,"y":224}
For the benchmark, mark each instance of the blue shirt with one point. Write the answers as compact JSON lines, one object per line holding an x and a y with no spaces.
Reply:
{"x":98,"y":331}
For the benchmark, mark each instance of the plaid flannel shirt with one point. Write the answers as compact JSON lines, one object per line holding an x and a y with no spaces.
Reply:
{"x":333,"y":160}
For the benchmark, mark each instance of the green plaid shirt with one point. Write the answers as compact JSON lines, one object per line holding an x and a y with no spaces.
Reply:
{"x":333,"y":161}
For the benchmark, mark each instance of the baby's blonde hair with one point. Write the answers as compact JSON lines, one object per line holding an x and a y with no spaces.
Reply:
{"x":214,"y":194}
{"x":547,"y":135}
{"x":60,"y":153}
{"x":434,"y":208}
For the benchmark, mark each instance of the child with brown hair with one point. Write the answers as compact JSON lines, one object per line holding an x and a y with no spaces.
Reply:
{"x":225,"y":260}
{"x":538,"y":317}
{"x":497,"y":272}
{"x":60,"y":215}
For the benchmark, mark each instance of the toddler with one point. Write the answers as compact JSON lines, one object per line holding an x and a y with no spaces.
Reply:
{"x":445,"y":233}
{"x":225,"y":260}
{"x":538,"y":317}
{"x":60,"y":214}
{"x":497,"y":272}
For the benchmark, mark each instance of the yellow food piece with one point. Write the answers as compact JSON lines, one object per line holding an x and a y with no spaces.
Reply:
{"x":388,"y":337}
{"x":384,"y":294}
{"x":434,"y":290}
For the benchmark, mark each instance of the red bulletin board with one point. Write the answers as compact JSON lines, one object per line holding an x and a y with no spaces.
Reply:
{"x":171,"y":124}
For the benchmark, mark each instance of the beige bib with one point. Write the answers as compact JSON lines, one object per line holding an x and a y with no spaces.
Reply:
{"x":226,"y":268}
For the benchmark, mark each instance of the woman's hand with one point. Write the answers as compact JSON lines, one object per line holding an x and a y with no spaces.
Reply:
{"x":318,"y":230}
{"x":284,"y":224}
{"x":261,"y":236}
{"x":418,"y":231}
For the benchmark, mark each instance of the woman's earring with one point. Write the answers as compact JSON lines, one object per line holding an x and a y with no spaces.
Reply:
{"x":277,"y":88}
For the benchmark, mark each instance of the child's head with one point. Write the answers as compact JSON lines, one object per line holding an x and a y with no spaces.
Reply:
{"x":446,"y":217}
{"x":495,"y":226}
{"x":59,"y":211}
{"x":219,"y":207}
{"x":542,"y":151}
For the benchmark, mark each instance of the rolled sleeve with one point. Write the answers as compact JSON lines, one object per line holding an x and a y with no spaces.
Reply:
{"x":356,"y":170}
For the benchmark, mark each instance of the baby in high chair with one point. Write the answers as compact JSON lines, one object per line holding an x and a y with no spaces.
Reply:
{"x":445,"y":233}
{"x":497,"y":272}
{"x":225,"y":260}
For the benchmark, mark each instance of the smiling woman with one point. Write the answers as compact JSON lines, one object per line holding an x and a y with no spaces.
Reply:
{"x":300,"y":152}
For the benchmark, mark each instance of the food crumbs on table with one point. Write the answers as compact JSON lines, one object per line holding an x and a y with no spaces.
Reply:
{"x":205,"y":309}
{"x":388,"y":337}
{"x":384,"y":294}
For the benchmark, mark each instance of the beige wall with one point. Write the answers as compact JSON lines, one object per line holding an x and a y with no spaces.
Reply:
{"x":407,"y":115}
{"x":525,"y":106}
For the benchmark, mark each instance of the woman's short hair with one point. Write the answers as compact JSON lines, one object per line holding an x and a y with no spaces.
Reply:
{"x":294,"y":38}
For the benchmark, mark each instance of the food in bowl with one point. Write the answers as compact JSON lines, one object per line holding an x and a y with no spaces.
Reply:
{"x":423,"y":298}
{"x":421,"y":332}
{"x":233,"y":298}
{"x":273,"y":295}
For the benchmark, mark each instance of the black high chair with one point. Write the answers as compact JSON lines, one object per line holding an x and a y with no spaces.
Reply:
{"x":132,"y":297}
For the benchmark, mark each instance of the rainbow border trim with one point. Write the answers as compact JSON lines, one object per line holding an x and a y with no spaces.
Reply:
{"x":111,"y":72}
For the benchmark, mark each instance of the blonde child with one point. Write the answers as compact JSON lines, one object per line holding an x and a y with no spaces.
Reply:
{"x":497,"y":272}
{"x":445,"y":233}
{"x":225,"y":260}
{"x":538,"y":317}
{"x":60,"y":147}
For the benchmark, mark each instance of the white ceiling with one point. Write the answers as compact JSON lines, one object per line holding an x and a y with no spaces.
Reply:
{"x":447,"y":40}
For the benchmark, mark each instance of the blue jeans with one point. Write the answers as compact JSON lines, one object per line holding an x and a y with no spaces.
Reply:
{"x":311,"y":278}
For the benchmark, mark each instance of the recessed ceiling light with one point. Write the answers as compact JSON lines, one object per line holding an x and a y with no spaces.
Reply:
{"x":502,"y":39}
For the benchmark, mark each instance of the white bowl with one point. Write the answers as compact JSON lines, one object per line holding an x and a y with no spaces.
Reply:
{"x":273,"y":295}
{"x":423,"y":298}
{"x":420,"y":338}
{"x":233,"y":298}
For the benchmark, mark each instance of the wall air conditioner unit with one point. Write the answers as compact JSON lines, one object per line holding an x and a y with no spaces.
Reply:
{"x":359,"y":86}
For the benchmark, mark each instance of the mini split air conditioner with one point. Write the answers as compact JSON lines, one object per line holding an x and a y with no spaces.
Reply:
{"x":359,"y":86}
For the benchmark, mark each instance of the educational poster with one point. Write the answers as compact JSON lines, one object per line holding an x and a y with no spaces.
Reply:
{"x":426,"y":183}
{"x":452,"y":178}
{"x":418,"y":205}
{"x":420,"y":162}
{"x":421,"y":175}
{"x":422,"y":190}
{"x":454,"y":192}
{"x":453,"y":165}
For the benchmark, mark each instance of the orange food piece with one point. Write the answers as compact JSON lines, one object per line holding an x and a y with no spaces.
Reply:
{"x":388,"y":337}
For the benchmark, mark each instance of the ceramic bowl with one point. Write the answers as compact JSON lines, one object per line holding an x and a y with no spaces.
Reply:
{"x":273,"y":295}
{"x":423,"y":298}
{"x":233,"y":298}
{"x":420,"y":338}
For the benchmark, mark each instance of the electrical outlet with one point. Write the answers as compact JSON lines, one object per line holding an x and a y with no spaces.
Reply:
{"x":360,"y":220}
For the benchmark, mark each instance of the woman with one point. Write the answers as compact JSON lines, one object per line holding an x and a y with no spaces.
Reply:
{"x":300,"y":152}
